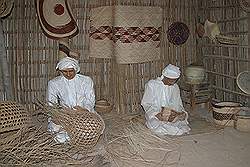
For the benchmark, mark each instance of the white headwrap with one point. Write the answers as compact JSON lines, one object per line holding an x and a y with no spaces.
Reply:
{"x":171,"y":71}
{"x":68,"y":62}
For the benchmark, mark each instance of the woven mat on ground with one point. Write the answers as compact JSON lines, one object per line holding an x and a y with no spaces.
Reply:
{"x":130,"y":34}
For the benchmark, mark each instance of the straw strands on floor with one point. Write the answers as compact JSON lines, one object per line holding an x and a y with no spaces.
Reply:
{"x":34,"y":146}
{"x":129,"y":141}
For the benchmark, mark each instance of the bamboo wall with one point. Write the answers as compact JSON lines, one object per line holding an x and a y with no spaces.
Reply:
{"x":33,"y":56}
{"x":224,"y":62}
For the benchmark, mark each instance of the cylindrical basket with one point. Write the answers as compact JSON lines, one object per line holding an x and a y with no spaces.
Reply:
{"x":194,"y":74}
{"x":224,"y":113}
{"x":13,"y":116}
{"x":242,"y":121}
{"x":103,"y":106}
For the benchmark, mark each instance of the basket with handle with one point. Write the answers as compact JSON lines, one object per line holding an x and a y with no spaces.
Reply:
{"x":83,"y":127}
{"x":13,"y":116}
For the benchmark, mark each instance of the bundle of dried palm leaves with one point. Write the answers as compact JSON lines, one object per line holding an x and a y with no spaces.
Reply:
{"x":129,"y":140}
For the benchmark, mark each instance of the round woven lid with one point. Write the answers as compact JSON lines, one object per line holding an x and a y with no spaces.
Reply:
{"x":245,"y":5}
{"x":5,"y":7}
{"x":178,"y":33}
{"x":243,"y":81}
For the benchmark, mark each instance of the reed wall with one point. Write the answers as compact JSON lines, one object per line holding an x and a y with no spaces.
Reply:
{"x":33,"y":56}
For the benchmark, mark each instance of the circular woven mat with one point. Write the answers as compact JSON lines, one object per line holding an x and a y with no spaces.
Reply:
{"x":245,"y":5}
{"x":178,"y":33}
{"x":243,"y":81}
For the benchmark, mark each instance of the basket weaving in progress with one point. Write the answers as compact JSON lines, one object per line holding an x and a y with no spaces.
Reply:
{"x":13,"y":116}
{"x":172,"y":116}
{"x":83,"y":127}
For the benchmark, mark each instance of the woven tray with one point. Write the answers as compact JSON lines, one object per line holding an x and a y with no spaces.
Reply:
{"x":13,"y":116}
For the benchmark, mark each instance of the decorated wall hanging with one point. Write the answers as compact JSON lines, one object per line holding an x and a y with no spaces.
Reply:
{"x":130,"y":34}
{"x":178,"y":33}
{"x":56,"y":19}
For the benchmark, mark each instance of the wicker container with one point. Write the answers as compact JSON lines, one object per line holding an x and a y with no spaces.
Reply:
{"x":224,"y":113}
{"x":103,"y":106}
{"x":194,"y":74}
{"x":83,"y":127}
{"x":13,"y":116}
{"x":242,"y":121}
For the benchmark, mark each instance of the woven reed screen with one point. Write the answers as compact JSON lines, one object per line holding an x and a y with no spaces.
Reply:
{"x":33,"y":56}
{"x":224,"y":62}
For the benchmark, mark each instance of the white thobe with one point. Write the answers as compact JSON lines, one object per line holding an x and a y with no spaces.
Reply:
{"x":158,"y":95}
{"x":78,"y":91}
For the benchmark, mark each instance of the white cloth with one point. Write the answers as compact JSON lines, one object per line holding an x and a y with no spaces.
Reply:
{"x":158,"y":95}
{"x":68,"y":62}
{"x":171,"y":71}
{"x":78,"y":91}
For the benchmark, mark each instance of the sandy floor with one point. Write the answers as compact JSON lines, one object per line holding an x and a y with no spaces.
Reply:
{"x":206,"y":146}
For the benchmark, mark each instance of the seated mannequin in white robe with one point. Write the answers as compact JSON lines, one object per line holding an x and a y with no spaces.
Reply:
{"x":161,"y":93}
{"x":70,"y":89}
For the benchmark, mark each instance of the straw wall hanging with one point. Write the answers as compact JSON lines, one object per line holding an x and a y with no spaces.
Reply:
{"x":130,"y":34}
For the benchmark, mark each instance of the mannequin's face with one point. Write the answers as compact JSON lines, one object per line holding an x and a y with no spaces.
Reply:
{"x":169,"y":81}
{"x":68,"y":73}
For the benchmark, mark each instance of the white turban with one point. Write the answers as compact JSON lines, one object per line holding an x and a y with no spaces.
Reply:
{"x":68,"y":62}
{"x":171,"y":71}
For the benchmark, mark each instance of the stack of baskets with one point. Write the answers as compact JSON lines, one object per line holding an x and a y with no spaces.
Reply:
{"x":83,"y":127}
{"x":103,"y":106}
{"x":224,"y":113}
{"x":13,"y":116}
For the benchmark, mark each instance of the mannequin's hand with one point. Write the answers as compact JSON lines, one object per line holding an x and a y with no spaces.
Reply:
{"x":80,"y":109}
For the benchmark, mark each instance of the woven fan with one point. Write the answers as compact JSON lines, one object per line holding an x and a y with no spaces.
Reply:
{"x":83,"y":127}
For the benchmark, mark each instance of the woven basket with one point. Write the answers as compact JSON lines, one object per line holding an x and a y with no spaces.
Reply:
{"x":224,"y":113}
{"x":13,"y":116}
{"x":83,"y":127}
{"x":242,"y":121}
{"x":103,"y":106}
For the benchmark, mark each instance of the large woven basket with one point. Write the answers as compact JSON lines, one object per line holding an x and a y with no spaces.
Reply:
{"x":13,"y":116}
{"x":224,"y":113}
{"x":83,"y":127}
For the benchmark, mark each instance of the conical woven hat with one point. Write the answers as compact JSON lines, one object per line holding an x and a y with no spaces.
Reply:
{"x":5,"y":7}
{"x":56,"y":19}
{"x":211,"y":30}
